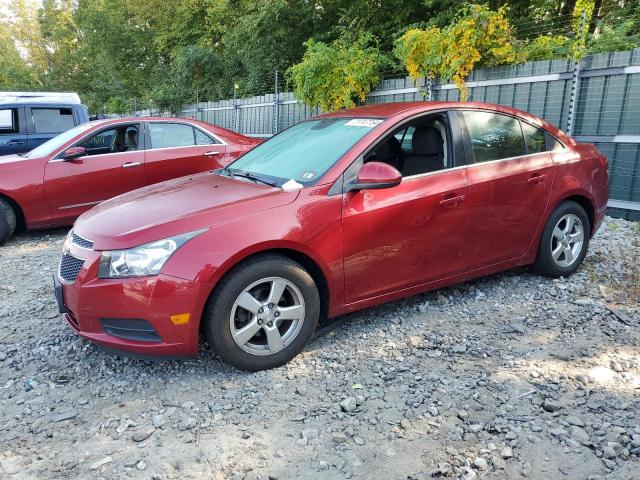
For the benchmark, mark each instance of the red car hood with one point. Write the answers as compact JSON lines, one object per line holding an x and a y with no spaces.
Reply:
{"x":174,"y":207}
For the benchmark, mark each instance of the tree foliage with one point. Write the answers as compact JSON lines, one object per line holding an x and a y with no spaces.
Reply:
{"x":15,"y":73}
{"x":546,"y":47}
{"x":613,"y":39}
{"x":479,"y":36}
{"x":337,"y":75}
{"x":161,"y":53}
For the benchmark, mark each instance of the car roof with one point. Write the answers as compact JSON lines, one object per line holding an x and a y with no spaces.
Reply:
{"x":387,"y":110}
{"x":31,"y":104}
{"x":21,"y":98}
{"x":404,"y":109}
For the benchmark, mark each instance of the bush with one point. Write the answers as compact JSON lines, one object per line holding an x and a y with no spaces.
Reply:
{"x":547,"y":47}
{"x":334,"y":76}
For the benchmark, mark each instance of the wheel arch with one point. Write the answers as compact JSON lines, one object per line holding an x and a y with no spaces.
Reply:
{"x":306,"y":260}
{"x":585,"y":201}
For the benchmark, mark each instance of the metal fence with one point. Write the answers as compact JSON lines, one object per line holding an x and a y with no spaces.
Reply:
{"x":596,"y":100}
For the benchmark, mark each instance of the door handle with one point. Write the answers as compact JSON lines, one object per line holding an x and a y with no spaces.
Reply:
{"x":213,"y":152}
{"x":130,"y":164}
{"x":16,"y":142}
{"x":451,"y":200}
{"x":536,"y":178}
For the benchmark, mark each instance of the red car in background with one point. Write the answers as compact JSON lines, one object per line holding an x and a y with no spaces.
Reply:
{"x":60,"y":179}
{"x":337,"y":213}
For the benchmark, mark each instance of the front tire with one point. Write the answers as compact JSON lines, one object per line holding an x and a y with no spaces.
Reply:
{"x":564,"y":241}
{"x":7,"y":221}
{"x":263,"y":312}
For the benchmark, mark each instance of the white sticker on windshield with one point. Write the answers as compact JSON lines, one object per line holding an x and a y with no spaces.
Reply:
{"x":291,"y":185}
{"x":363,"y":122}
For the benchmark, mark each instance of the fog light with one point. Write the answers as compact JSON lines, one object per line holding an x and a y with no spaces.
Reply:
{"x":180,"y":319}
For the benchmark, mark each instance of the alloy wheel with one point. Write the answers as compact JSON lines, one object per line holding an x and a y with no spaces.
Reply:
{"x":567,"y":240}
{"x":267,"y":316}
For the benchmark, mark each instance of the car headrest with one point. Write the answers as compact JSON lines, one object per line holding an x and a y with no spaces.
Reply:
{"x":389,"y":149}
{"x":427,"y":140}
{"x":119,"y":139}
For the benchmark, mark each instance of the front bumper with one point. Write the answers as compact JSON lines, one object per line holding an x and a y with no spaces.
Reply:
{"x":134,"y":314}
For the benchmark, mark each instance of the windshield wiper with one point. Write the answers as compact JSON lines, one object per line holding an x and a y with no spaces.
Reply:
{"x":22,"y":154}
{"x":250,"y":176}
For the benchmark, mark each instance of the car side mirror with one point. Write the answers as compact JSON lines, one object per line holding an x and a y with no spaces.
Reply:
{"x":74,"y":152}
{"x":376,"y":175}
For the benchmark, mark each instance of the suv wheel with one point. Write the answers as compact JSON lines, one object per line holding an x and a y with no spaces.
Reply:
{"x":262,"y":313}
{"x":564,"y":241}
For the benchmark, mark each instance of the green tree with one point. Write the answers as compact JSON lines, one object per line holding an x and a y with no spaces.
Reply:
{"x":118,"y":54}
{"x":166,"y":52}
{"x":15,"y":74}
{"x":267,"y":37}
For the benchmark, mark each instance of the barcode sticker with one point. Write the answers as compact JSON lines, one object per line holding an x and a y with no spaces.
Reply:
{"x":363,"y":122}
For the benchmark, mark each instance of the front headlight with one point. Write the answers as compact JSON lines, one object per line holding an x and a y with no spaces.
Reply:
{"x":141,"y":261}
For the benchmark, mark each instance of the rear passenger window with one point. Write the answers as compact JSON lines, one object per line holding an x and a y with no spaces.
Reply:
{"x":9,"y":121}
{"x":165,"y":135}
{"x":494,"y":136}
{"x":52,"y":120}
{"x":534,"y":137}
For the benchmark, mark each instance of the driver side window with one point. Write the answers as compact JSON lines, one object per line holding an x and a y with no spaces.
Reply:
{"x":418,"y":147}
{"x":114,"y":140}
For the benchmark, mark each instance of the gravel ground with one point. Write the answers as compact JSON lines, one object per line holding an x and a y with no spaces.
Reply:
{"x":510,"y":376}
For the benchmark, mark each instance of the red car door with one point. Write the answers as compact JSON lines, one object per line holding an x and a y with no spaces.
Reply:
{"x":414,"y":233}
{"x":510,"y":183}
{"x":177,"y":149}
{"x":112,"y":165}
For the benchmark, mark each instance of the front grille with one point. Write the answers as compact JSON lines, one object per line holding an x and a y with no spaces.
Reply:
{"x":70,"y":267}
{"x":81,"y":242}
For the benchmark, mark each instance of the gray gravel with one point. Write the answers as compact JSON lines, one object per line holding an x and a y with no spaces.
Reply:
{"x":510,"y":376}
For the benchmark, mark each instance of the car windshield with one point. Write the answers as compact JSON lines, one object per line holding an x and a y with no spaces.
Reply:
{"x":56,"y":142}
{"x":304,"y":152}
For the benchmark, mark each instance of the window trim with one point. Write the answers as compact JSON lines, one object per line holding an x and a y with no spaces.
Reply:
{"x":141,"y":145}
{"x":52,"y":107}
{"x":147,"y":131}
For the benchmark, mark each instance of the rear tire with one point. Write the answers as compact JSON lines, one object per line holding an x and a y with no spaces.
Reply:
{"x":262,"y":313}
{"x":7,"y":221}
{"x":564,"y":241}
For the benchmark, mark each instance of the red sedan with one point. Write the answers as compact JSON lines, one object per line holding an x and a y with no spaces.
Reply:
{"x":337,"y":213}
{"x":62,"y":178}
